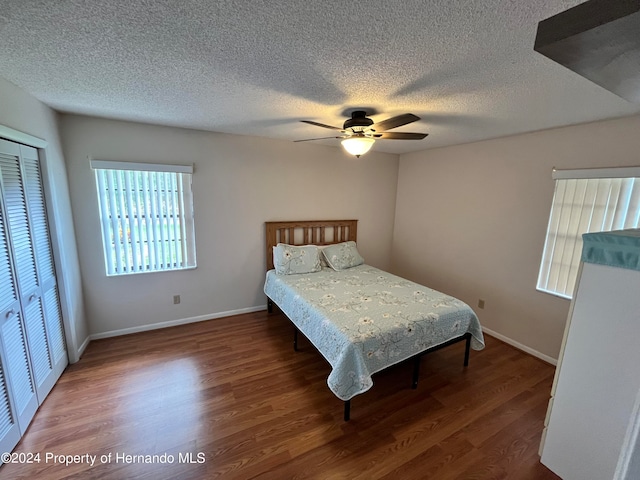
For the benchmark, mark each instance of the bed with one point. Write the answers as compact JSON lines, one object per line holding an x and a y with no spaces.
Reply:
{"x":360,"y":318}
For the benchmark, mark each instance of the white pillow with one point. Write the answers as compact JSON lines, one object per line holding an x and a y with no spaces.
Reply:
{"x":292,"y":259}
{"x":342,"y":256}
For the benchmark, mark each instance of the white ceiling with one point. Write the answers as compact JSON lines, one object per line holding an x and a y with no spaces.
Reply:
{"x":257,"y":67}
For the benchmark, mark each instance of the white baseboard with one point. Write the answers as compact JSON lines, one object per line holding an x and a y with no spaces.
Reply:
{"x":173,"y":323}
{"x":84,"y":346}
{"x":520,"y":346}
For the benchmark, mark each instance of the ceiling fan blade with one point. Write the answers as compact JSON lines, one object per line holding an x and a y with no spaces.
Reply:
{"x":321,"y":125}
{"x":395,"y":122}
{"x":322,"y":138}
{"x":401,"y":135}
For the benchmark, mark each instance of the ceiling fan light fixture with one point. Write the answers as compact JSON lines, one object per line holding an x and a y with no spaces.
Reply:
{"x":358,"y":145}
{"x":360,"y":133}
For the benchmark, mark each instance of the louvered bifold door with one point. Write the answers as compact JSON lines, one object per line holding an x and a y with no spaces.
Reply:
{"x":33,"y":262}
{"x":43,"y":314}
{"x":18,"y":400}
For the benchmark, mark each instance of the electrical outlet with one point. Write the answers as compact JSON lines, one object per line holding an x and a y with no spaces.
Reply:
{"x":480,"y":303}
{"x":176,"y":299}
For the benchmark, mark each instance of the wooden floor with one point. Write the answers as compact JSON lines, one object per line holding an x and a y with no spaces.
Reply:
{"x":229,"y":398}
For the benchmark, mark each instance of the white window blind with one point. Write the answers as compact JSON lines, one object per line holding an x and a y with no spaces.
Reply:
{"x":146,"y":213}
{"x":584,"y":201}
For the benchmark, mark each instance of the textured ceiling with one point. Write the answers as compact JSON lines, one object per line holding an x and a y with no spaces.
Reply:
{"x":257,"y":67}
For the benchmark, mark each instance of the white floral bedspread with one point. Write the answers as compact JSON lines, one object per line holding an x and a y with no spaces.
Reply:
{"x":363,"y":320}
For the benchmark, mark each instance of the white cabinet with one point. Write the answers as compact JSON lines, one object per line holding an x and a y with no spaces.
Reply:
{"x":32,"y":348}
{"x":598,"y":375}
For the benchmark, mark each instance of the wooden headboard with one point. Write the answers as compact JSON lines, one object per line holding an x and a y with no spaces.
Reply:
{"x":308,"y":232}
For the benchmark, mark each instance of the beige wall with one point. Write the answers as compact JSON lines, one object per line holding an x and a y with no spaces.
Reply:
{"x":471,"y":221}
{"x":22,"y":112}
{"x":239,"y":183}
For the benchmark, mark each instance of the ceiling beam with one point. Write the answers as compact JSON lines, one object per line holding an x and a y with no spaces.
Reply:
{"x":598,"y":39}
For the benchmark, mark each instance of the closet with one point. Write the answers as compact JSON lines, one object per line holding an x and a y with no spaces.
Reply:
{"x":32,"y":346}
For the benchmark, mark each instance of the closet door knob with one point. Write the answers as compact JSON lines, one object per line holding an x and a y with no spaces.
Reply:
{"x":31,"y":297}
{"x":10,"y":313}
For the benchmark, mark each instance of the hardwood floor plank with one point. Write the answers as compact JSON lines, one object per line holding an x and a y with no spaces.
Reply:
{"x":502,"y":416}
{"x":229,"y":398}
{"x":432,"y":461}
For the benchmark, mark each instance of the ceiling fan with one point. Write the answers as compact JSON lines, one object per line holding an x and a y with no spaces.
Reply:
{"x":360,"y":132}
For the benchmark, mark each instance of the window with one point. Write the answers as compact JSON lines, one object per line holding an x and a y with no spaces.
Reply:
{"x":584,"y":201}
{"x":146,"y":214}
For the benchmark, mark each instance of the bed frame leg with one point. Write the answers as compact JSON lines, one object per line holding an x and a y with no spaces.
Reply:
{"x":466,"y":350}
{"x":347,"y":410}
{"x":416,"y":372}
{"x":295,"y":339}
{"x":269,"y":305}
